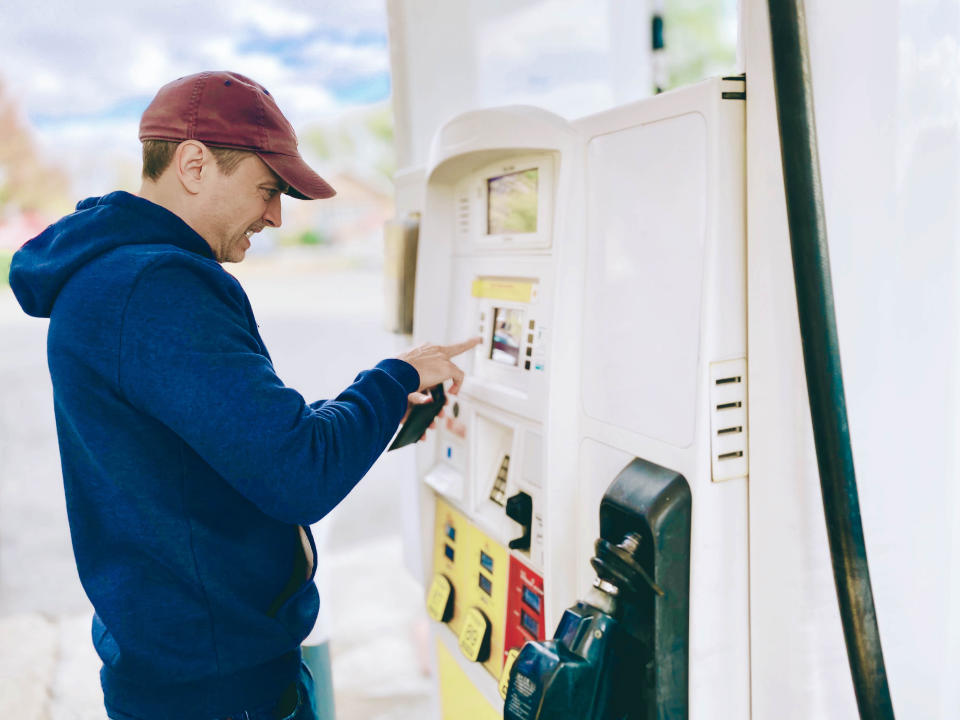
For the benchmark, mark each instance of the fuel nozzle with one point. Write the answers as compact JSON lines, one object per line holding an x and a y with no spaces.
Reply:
{"x":622,"y":651}
{"x":620,"y":573}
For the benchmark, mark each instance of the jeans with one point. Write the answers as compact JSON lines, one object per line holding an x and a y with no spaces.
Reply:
{"x":305,"y":708}
{"x":299,"y":706}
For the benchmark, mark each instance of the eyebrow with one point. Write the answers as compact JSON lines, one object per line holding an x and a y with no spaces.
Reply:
{"x":275,"y":185}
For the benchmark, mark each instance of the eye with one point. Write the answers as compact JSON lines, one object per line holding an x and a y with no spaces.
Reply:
{"x":269,"y":192}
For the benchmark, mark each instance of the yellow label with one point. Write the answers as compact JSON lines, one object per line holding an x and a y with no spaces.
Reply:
{"x":505,"y":673}
{"x":484,"y":586}
{"x":476,"y":629}
{"x":504,"y":289}
{"x":459,"y":697}
{"x":451,"y":534}
{"x":438,"y":597}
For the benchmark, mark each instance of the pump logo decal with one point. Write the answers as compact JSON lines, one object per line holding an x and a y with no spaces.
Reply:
{"x":522,"y":699}
{"x":525,"y":686}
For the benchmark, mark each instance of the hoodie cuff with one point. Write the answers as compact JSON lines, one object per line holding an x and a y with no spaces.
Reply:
{"x":401,"y":371}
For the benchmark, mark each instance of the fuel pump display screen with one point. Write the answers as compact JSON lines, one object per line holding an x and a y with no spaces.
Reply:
{"x":507,"y":333}
{"x":531,"y":599}
{"x":485,"y":584}
{"x":512,"y":203}
{"x":529,"y":624}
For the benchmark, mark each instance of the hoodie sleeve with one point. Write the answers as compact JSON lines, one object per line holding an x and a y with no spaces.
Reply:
{"x":189,"y":359}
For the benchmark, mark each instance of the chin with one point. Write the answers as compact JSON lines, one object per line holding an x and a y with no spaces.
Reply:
{"x":236,"y":254}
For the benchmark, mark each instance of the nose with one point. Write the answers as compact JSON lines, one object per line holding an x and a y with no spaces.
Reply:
{"x":271,"y":216}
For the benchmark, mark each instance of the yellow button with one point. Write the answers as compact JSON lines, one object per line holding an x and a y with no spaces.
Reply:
{"x":439,"y":605}
{"x":475,"y":636}
{"x":505,"y":673}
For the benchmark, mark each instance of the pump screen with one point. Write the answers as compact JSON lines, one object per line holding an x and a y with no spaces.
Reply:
{"x":485,"y":584}
{"x":507,"y":333}
{"x":512,"y":203}
{"x":529,"y":624}
{"x":486,"y":561}
{"x":451,"y":532}
{"x":531,"y":599}
{"x":448,"y":551}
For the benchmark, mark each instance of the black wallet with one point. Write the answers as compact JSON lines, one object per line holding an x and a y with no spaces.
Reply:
{"x":420,"y":418}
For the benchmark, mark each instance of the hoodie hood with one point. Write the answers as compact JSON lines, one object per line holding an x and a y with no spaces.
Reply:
{"x":42,"y":267}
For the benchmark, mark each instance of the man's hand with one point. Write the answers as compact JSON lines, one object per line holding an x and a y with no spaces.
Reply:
{"x":422,"y":398}
{"x":434,"y":365}
{"x":419,"y":398}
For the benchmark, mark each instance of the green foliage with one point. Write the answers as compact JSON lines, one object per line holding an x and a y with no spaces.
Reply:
{"x":345,"y":142}
{"x":386,"y":166}
{"x":319,"y":142}
{"x":312,"y":237}
{"x":362,"y":139}
{"x":700,"y":39}
{"x":380,"y":124}
{"x":27,"y":182}
{"x":5,"y":257}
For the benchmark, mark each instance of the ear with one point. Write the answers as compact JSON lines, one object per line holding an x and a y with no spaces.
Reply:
{"x":191,"y":160}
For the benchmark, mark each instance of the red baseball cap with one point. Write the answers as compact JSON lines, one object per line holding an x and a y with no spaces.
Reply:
{"x":229,"y":110}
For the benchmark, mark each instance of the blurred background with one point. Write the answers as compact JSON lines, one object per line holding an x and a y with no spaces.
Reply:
{"x":73,"y":82}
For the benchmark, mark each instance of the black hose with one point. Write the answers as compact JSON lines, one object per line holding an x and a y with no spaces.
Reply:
{"x":821,"y":356}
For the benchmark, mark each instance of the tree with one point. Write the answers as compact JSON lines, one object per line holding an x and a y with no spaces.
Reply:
{"x":26,"y":182}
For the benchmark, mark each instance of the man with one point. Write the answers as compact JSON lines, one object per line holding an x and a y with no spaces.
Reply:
{"x":191,"y":472}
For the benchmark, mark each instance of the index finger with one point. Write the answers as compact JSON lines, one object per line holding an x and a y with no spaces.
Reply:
{"x":457,"y":348}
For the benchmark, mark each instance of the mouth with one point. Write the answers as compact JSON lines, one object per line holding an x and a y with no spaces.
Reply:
{"x":249,"y":233}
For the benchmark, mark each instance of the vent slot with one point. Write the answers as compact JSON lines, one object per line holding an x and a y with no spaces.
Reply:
{"x":728,"y":380}
{"x":728,"y":419}
{"x":463,"y":216}
{"x":730,"y":455}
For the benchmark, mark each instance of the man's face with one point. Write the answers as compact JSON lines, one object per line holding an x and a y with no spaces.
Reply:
{"x":239,"y":205}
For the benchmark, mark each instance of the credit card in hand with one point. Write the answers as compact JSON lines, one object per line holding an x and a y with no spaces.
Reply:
{"x":420,"y":418}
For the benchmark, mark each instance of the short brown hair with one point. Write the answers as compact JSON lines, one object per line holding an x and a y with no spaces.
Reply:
{"x":158,"y":154}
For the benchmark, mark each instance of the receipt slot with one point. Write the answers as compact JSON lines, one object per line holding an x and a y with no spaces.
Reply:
{"x":622,"y":652}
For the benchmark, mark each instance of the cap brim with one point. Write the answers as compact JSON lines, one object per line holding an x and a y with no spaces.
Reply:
{"x":304,"y":183}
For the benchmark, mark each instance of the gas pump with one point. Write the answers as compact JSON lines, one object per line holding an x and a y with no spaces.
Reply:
{"x":602,"y":261}
{"x":622,"y":651}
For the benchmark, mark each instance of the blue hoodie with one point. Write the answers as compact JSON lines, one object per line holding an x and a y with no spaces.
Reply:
{"x":187,"y":464}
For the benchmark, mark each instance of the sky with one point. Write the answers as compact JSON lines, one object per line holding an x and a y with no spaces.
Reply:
{"x":82,"y":73}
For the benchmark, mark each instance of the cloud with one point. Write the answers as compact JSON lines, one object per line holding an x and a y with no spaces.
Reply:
{"x":273,"y":20}
{"x":81,"y":73}
{"x":74,"y":58}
